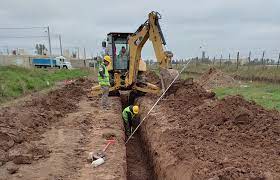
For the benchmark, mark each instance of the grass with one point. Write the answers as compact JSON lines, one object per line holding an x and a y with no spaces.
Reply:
{"x":16,"y":81}
{"x":264,"y":94}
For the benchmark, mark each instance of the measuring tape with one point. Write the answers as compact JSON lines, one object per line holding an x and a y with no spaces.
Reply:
{"x":157,"y":101}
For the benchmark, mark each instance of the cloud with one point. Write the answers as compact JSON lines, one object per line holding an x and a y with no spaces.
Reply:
{"x":223,"y":26}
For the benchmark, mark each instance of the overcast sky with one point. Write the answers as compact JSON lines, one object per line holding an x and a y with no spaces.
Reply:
{"x":218,"y":26}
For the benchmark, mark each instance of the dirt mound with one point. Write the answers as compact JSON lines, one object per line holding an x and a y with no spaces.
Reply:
{"x":25,"y":123}
{"x":152,"y":77}
{"x":222,"y":139}
{"x":181,"y":93}
{"x":215,"y":78}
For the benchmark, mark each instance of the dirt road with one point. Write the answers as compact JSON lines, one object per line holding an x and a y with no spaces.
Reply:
{"x":50,"y":137}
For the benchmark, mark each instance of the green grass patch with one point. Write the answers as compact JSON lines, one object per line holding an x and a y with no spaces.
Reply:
{"x":267,"y":95}
{"x":16,"y":81}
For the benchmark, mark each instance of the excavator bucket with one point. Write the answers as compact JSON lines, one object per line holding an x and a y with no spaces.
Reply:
{"x":167,"y":76}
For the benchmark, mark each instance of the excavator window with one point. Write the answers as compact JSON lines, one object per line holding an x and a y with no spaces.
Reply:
{"x":117,"y":43}
{"x":121,"y":56}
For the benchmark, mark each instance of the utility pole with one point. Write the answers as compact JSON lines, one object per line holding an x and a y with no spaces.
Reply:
{"x":78,"y":53}
{"x":60,"y":45}
{"x":85,"y":54}
{"x":50,"y":46}
{"x":249,"y":58}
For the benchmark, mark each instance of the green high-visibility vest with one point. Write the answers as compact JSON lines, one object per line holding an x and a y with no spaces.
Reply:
{"x":127,"y":113}
{"x":103,"y":75}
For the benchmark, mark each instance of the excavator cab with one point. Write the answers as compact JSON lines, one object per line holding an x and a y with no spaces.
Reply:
{"x":118,"y":49}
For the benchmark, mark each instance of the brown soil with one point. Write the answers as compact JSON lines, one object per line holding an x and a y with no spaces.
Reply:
{"x":192,"y":135}
{"x":22,"y":124}
{"x":153,"y":78}
{"x":189,"y":135}
{"x":258,"y":79}
{"x":215,"y":78}
{"x":50,"y":136}
{"x":138,"y":167}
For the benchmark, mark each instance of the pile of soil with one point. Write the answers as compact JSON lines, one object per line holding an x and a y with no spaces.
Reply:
{"x":152,"y":77}
{"x":186,"y":95}
{"x":22,"y":124}
{"x":215,"y":78}
{"x":221,"y":139}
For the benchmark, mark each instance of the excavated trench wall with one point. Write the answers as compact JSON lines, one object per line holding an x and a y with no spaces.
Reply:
{"x":163,"y":162}
{"x":192,"y":135}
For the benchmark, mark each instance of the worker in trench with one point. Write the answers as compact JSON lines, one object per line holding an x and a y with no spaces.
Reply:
{"x":130,"y":118}
{"x":104,"y":81}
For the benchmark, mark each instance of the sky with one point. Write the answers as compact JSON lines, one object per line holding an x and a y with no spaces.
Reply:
{"x":190,"y":26}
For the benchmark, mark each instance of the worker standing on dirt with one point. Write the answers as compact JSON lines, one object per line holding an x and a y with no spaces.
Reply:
{"x":129,"y":118}
{"x":104,"y":81}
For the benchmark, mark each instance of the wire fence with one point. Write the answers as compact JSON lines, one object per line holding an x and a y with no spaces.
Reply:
{"x":254,"y":67}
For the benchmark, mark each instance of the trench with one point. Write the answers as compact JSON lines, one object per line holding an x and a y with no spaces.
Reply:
{"x":138,"y":162}
{"x":139,"y":166}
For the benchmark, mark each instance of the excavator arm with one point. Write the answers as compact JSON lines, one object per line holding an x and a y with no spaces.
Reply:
{"x":150,"y":30}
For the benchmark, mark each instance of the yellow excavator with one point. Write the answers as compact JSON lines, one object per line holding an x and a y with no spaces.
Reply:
{"x":127,"y":68}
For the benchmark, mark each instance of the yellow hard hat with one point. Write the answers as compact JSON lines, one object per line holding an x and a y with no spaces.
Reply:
{"x":107,"y":58}
{"x":135,"y":109}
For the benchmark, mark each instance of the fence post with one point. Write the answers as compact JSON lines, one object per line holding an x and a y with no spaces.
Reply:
{"x":249,"y":59}
{"x":29,"y":60}
{"x":228,"y":58}
{"x":221,"y":60}
{"x":237,"y":60}
{"x":278,"y":61}
{"x":263,"y":59}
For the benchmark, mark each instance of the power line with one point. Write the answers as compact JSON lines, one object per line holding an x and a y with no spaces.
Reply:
{"x":16,"y":37}
{"x":23,"y":27}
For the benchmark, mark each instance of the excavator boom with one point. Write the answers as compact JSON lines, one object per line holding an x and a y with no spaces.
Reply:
{"x":151,"y":30}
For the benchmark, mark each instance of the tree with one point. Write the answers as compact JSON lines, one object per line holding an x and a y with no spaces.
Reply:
{"x":40,"y":49}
